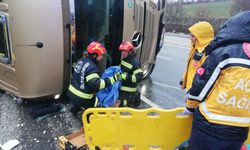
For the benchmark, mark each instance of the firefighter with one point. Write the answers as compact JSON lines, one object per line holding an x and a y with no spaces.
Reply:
{"x":201,"y":34}
{"x":131,"y":76}
{"x":86,"y":79}
{"x":220,"y":93}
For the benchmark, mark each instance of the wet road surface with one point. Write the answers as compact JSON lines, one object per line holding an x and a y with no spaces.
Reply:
{"x":161,"y":90}
{"x":16,"y":122}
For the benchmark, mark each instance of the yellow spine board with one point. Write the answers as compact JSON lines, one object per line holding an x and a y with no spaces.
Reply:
{"x":132,"y":129}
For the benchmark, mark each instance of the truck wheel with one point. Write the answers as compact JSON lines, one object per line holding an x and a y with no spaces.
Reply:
{"x":147,"y":70}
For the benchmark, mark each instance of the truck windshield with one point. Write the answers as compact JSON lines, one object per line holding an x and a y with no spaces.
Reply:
{"x":92,"y":21}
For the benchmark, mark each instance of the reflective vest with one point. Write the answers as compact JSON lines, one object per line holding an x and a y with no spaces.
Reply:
{"x":192,"y":65}
{"x":204,"y":33}
{"x":223,"y":88}
{"x":230,"y":104}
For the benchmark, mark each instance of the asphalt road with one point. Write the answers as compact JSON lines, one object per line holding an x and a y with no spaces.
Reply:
{"x":161,"y":90}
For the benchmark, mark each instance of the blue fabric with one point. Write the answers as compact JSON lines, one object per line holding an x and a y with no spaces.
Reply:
{"x":108,"y":96}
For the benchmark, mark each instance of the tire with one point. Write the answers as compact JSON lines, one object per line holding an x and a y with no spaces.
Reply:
{"x":147,"y":70}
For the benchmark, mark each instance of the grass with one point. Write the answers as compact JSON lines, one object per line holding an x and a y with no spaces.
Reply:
{"x":214,"y":9}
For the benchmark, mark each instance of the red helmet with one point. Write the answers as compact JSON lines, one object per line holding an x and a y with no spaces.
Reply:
{"x":96,"y":47}
{"x":126,"y":46}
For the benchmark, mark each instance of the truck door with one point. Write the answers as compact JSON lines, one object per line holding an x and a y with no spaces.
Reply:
{"x":40,"y":44}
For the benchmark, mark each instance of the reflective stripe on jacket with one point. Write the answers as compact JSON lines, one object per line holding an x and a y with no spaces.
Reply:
{"x":80,"y":93}
{"x":225,"y":88}
{"x":132,"y":73}
{"x":86,"y":80}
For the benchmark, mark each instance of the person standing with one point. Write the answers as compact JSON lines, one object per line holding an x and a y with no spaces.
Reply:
{"x":201,"y":34}
{"x":220,"y":93}
{"x":131,"y":76}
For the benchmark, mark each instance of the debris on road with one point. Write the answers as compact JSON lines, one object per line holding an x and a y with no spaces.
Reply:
{"x":10,"y":144}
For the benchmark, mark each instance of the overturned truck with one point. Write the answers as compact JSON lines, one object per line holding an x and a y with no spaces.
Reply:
{"x":37,"y":54}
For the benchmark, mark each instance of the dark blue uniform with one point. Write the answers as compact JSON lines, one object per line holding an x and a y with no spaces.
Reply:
{"x":132,"y":75}
{"x":85,"y":83}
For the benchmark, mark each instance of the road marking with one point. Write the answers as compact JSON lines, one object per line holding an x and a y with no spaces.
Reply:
{"x":177,"y":35}
{"x":168,"y":86}
{"x":149,"y":102}
{"x":185,"y":47}
{"x":164,"y":58}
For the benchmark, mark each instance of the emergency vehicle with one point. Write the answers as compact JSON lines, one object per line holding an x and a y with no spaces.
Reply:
{"x":37,"y":55}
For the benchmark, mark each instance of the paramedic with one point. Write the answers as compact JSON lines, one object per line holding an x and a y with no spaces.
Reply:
{"x":201,"y":34}
{"x":220,"y":93}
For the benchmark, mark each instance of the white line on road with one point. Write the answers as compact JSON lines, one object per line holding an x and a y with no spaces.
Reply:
{"x":149,"y":102}
{"x":168,"y":86}
{"x":185,"y":47}
{"x":164,"y":58}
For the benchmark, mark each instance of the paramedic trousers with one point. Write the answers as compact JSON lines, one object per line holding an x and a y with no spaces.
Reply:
{"x":200,"y":141}
{"x":211,"y":136}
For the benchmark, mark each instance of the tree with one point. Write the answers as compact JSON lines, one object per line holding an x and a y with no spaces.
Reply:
{"x":239,"y":5}
{"x":173,"y":10}
{"x":202,"y":12}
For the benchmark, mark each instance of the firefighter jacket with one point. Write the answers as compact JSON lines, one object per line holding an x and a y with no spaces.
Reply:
{"x":221,"y":86}
{"x":204,"y":33}
{"x":86,"y":80}
{"x":132,"y":73}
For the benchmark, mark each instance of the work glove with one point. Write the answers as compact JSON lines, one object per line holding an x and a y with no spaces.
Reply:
{"x":181,"y":82}
{"x":124,"y":76}
{"x":117,"y":76}
{"x":186,"y":97}
{"x":186,"y":112}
